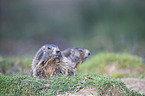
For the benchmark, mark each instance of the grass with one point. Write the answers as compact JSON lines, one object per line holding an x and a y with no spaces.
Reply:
{"x":117,"y":65}
{"x":114,"y":64}
{"x":14,"y":65}
{"x":24,"y":85}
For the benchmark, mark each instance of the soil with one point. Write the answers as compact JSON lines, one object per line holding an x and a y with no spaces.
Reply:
{"x":135,"y":84}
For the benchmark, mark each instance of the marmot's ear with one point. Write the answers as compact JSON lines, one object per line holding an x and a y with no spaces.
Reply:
{"x":39,"y":54}
{"x":66,"y":52}
{"x":43,"y":47}
{"x":71,"y":51}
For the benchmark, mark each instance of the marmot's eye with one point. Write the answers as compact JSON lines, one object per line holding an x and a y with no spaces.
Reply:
{"x":48,"y":48}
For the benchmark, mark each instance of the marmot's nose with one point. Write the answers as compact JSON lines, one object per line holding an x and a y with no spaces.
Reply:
{"x":88,"y":53}
{"x":57,"y":52}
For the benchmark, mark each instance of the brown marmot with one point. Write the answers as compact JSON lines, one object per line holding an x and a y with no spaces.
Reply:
{"x":76,"y":55}
{"x":49,"y":62}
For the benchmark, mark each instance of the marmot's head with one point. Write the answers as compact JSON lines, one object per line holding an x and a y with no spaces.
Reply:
{"x":50,"y":50}
{"x":76,"y":55}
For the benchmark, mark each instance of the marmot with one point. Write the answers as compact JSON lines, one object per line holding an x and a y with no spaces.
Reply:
{"x":49,"y":62}
{"x":76,"y":55}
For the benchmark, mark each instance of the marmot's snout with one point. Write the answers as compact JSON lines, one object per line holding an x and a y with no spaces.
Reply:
{"x":56,"y":52}
{"x":86,"y":54}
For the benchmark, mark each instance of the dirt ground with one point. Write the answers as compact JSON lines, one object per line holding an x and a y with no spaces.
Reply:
{"x":135,"y":84}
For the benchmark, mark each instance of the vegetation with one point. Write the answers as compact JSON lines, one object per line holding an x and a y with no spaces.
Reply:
{"x":98,"y":25}
{"x":24,"y":85}
{"x":116,"y":65}
{"x":15,"y":65}
{"x":15,"y":77}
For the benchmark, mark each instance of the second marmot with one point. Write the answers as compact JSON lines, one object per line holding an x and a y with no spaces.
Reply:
{"x":76,"y":55}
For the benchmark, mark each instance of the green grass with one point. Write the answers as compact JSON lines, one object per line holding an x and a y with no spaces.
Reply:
{"x":14,"y":65}
{"x":114,"y":64}
{"x":13,"y":84}
{"x":24,"y":85}
{"x":117,"y":65}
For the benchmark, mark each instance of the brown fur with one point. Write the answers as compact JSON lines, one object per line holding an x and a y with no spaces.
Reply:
{"x":76,"y":55}
{"x":47,"y":63}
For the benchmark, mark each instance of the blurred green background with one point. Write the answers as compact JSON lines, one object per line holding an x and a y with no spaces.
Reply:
{"x":98,"y":25}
